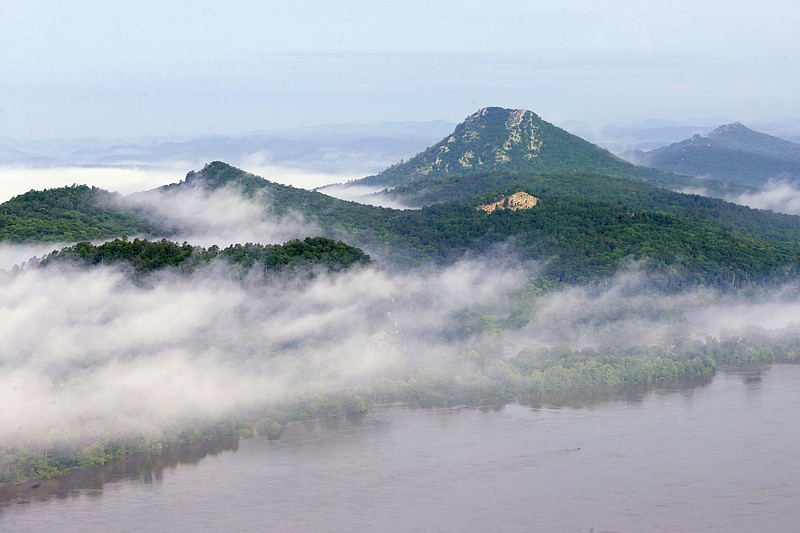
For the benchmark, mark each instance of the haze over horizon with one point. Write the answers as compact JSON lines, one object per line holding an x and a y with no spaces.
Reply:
{"x":93,"y":69}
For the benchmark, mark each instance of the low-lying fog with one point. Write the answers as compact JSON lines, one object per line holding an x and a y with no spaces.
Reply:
{"x":16,"y":180}
{"x":307,"y":158}
{"x":88,"y":352}
{"x":779,"y":195}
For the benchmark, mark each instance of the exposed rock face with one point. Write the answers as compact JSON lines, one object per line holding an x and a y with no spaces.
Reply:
{"x":516,"y":137}
{"x":492,"y":138}
{"x":515,"y":202}
{"x":522,"y":132}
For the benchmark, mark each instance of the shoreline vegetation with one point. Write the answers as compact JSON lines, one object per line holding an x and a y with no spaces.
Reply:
{"x":555,"y":375}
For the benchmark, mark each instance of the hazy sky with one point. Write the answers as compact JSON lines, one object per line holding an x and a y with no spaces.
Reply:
{"x":115,"y":69}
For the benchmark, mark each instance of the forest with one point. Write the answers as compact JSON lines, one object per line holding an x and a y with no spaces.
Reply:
{"x":145,"y":257}
{"x":585,"y":228}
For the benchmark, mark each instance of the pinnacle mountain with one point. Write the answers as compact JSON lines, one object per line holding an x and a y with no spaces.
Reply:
{"x":492,"y":138}
{"x":731,"y":152}
{"x":513,"y":140}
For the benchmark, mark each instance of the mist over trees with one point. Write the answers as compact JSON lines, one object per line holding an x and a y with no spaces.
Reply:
{"x":145,"y":256}
{"x":173,"y":316}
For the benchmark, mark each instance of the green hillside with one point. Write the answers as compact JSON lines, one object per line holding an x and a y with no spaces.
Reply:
{"x":617,"y":191}
{"x":582,"y":237}
{"x":68,"y":214}
{"x":581,"y":230}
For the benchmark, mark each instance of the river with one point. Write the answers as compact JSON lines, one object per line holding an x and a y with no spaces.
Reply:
{"x":722,"y":457}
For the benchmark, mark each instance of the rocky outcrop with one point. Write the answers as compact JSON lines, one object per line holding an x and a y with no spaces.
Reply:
{"x":515,"y":202}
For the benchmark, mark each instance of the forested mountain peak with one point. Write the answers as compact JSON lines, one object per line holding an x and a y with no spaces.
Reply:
{"x":219,"y":175}
{"x":731,"y":152}
{"x":512,"y":140}
{"x":496,"y":138}
{"x":490,"y":137}
{"x":216,"y":175}
{"x":507,"y":133}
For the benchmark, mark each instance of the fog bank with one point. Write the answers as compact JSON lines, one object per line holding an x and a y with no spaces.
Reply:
{"x":89,"y":353}
{"x":778,"y":195}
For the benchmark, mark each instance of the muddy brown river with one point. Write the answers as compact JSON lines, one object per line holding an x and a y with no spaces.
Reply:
{"x":722,"y":456}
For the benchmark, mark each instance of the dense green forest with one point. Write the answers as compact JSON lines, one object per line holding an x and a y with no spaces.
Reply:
{"x":602,"y":188}
{"x":585,"y":227}
{"x":68,"y":214}
{"x":145,"y":256}
{"x":581,"y":238}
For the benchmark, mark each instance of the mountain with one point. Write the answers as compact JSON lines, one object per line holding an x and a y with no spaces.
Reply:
{"x":582,"y":238}
{"x":732,"y":152}
{"x":644,"y":135}
{"x":514,"y":140}
{"x":577,"y":239}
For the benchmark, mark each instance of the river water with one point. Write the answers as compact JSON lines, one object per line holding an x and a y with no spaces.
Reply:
{"x":723,"y":457}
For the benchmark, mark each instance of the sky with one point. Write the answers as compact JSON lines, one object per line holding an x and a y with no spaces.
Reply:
{"x":89,"y":68}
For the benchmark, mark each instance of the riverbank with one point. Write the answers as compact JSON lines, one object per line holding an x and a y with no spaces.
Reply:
{"x":703,"y":457}
{"x":549,"y":375}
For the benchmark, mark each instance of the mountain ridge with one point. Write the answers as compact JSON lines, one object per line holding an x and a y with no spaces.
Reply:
{"x":731,"y":152}
{"x":577,"y":239}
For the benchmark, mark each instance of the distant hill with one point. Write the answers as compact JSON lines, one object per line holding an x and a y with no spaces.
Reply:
{"x":644,"y":135}
{"x":69,"y":214}
{"x":514,"y":140}
{"x":350,"y":149}
{"x":732,"y":153}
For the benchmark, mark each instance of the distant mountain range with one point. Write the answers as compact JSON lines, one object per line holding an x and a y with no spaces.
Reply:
{"x":654,"y":133}
{"x":332,"y":148}
{"x":732,"y":153}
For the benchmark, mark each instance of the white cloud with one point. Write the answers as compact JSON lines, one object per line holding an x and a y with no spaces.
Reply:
{"x":90,"y":352}
{"x":363,"y":195}
{"x":221,"y":217}
{"x":16,"y":180}
{"x":86,"y":353}
{"x":777,"y":195}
